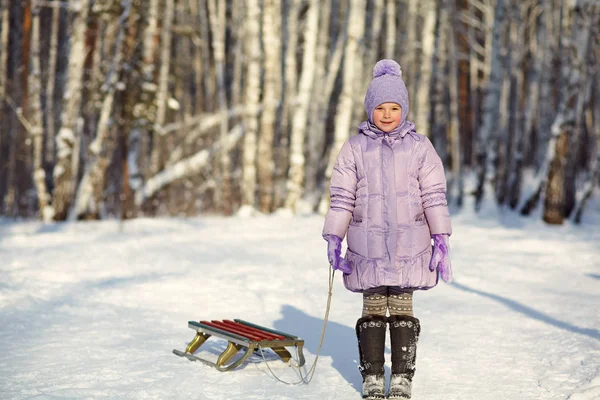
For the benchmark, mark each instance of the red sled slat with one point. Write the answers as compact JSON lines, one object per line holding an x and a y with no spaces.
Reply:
{"x":244,"y":328}
{"x":223,"y":326}
{"x":252,"y":329}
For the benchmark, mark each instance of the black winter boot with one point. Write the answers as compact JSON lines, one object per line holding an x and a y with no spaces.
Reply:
{"x":370,"y":331}
{"x":404,"y":335}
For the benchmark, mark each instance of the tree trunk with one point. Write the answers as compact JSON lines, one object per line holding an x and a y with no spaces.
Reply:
{"x":487,"y":138}
{"x":271,"y":97}
{"x":68,"y":134}
{"x":343,"y":116}
{"x":50,"y":155}
{"x":390,"y":26}
{"x":324,"y":65}
{"x":422,"y":99}
{"x":297,"y":160}
{"x":216,"y":16}
{"x":36,"y":118}
{"x":100,"y":151}
{"x":252,"y":98}
{"x":457,"y":186}
{"x":159,"y":149}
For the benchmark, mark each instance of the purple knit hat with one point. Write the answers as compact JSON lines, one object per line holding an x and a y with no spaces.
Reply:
{"x":387,"y":86}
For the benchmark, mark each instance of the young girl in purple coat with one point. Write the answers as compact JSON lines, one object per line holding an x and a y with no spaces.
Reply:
{"x":388,"y":198}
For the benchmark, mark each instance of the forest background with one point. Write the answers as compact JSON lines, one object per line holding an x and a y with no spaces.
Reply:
{"x":126,"y":108}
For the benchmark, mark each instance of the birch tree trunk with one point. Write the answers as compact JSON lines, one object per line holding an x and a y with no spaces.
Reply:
{"x":272,"y":49}
{"x":390,"y":27}
{"x":50,"y":87}
{"x":585,"y":21}
{"x":410,"y":55}
{"x":345,"y":106}
{"x":422,"y":98}
{"x":282,"y":146}
{"x":89,"y":193}
{"x":4,"y":21}
{"x":68,"y":134}
{"x":158,"y":148}
{"x":216,"y":15}
{"x":594,"y":178}
{"x":4,"y":14}
{"x":457,"y":185}
{"x":252,"y":97}
{"x":517,"y":138}
{"x":297,"y":159}
{"x":36,"y":118}
{"x":317,"y":111}
{"x":487,"y":140}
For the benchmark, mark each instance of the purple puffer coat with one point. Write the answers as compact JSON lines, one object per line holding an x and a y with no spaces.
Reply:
{"x":388,"y":193}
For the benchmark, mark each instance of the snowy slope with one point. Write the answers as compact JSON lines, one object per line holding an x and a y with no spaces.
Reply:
{"x":92,"y":311}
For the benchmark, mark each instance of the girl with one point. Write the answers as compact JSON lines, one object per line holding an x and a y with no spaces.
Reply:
{"x":388,"y":194}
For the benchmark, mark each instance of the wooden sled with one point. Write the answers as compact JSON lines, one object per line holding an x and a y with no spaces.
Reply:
{"x":240,"y":335}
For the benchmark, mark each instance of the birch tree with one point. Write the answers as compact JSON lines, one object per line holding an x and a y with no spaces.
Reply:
{"x":422,"y":98}
{"x":574,"y":78}
{"x":272,"y":49}
{"x":390,"y":29}
{"x":50,"y":87}
{"x":345,"y":106}
{"x":158,"y":149}
{"x":486,"y":140}
{"x":36,"y":118}
{"x":297,"y":159}
{"x":325,"y":65}
{"x":252,"y":96}
{"x":217,"y":22}
{"x":89,"y":193}
{"x":68,"y":135}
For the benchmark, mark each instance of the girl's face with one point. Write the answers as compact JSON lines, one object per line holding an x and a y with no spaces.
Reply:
{"x":387,"y":116}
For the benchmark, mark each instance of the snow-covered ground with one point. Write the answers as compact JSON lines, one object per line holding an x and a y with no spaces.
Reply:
{"x":92,"y":310}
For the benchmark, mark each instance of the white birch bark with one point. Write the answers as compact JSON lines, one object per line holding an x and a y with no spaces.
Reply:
{"x":186,"y":167}
{"x":457,"y":187}
{"x":239,"y":21}
{"x":89,"y":193}
{"x":390,"y":27}
{"x":409,"y":58}
{"x":422,"y":98}
{"x":162,"y":94}
{"x":67,"y":138}
{"x":216,"y":17}
{"x":317,"y":112}
{"x":36,"y":117}
{"x":4,"y":20}
{"x":282,"y":147}
{"x":487,"y":140}
{"x":297,"y":148}
{"x":573,"y":83}
{"x":50,"y":85}
{"x":272,"y":74}
{"x":345,"y":105}
{"x":368,"y":55}
{"x":252,"y":96}
{"x":594,"y":178}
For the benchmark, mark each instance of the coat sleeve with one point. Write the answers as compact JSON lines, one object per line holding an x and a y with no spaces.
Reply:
{"x":432,"y":182}
{"x":342,"y":191}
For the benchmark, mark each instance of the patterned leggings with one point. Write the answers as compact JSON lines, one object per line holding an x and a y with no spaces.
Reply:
{"x":378,"y":300}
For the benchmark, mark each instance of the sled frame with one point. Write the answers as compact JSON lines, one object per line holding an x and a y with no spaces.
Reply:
{"x":240,"y":335}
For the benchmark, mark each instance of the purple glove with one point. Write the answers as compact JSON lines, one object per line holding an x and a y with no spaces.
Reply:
{"x":334,"y":249}
{"x":440,"y":258}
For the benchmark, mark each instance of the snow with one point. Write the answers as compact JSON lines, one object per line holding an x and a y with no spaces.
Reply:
{"x":94,"y":309}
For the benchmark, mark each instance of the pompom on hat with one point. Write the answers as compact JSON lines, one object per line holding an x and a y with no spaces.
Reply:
{"x":387,"y":86}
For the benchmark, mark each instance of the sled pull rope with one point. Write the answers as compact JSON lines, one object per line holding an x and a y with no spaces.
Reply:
{"x":311,"y":372}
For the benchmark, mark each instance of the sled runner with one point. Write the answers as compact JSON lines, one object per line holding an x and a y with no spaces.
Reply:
{"x":240,"y":335}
